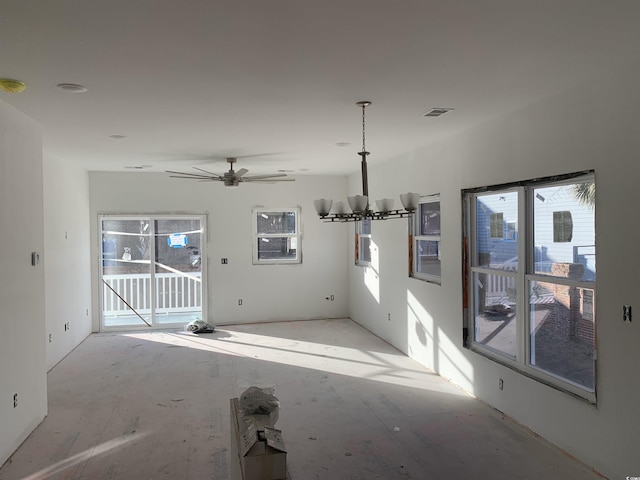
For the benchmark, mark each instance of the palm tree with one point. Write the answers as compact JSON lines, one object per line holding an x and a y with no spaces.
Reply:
{"x":585,"y":193}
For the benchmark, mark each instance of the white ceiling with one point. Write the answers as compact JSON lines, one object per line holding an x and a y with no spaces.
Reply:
{"x":192,"y":82}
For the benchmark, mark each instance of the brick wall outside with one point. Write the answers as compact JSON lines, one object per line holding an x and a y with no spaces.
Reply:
{"x":571,"y":316}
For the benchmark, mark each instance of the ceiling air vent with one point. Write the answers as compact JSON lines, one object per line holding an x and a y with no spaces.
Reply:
{"x":437,"y":112}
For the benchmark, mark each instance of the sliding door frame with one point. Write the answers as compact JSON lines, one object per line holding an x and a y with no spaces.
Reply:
{"x":148,"y":320}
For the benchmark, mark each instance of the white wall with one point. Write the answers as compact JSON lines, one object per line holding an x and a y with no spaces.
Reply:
{"x":594,"y":126}
{"x":67,"y":272}
{"x":22,"y":313}
{"x":269,"y":292}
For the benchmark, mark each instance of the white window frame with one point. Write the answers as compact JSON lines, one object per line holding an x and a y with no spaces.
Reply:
{"x":415,"y":237}
{"x":523,"y":278}
{"x":291,"y":237}
{"x":360,"y":260}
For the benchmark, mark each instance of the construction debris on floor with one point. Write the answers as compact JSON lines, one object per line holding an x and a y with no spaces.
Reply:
{"x":256,"y":445}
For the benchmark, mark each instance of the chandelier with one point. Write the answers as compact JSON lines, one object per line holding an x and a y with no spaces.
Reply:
{"x":359,"y":204}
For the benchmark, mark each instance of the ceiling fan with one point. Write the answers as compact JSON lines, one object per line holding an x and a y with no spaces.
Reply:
{"x":231,"y":178}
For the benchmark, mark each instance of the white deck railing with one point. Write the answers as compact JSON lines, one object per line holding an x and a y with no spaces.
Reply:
{"x":500,"y":288}
{"x":174,"y":293}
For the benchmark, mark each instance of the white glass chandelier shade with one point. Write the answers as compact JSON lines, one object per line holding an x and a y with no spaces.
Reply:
{"x":385,"y":205}
{"x":323,"y":206}
{"x":410,"y":201}
{"x":339,"y":208}
{"x":358,"y":203}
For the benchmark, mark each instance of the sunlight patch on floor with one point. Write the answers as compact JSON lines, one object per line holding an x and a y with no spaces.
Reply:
{"x":107,"y":447}
{"x":390,"y":366}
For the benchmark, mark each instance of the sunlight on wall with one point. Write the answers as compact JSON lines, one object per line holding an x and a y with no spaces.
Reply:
{"x":452,"y":364}
{"x":371,"y":277}
{"x":419,"y":332}
{"x":431,"y":347}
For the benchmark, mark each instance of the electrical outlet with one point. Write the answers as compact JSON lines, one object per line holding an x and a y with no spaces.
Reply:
{"x":50,"y":338}
{"x":626,"y":313}
{"x":501,"y":384}
{"x":239,"y":301}
{"x":224,"y":261}
{"x":332,"y":298}
{"x":389,"y":316}
{"x":15,"y":400}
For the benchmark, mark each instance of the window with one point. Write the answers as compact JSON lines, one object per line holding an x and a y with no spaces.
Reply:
{"x":276,"y":236}
{"x":562,"y":226}
{"x":530,"y":278}
{"x":424,"y":244}
{"x":363,"y":243}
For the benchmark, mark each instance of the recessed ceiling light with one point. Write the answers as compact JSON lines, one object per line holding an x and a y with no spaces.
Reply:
{"x":342,"y":144}
{"x":72,"y":87}
{"x":118,"y":137}
{"x":137,"y":167}
{"x":10,"y":85}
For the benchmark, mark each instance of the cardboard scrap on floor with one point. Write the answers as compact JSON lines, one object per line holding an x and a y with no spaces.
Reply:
{"x":259,"y":446}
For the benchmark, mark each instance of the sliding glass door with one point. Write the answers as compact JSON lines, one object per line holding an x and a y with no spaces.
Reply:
{"x":151,"y":271}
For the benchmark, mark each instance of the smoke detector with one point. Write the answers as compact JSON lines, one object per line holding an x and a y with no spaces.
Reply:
{"x":10,"y":85}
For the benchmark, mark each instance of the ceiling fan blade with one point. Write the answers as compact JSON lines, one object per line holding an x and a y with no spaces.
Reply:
{"x":187,"y":175}
{"x":241,"y":172}
{"x":199,"y":179}
{"x":266,"y":179}
{"x":206,"y":171}
{"x":270,"y":180}
{"x":261,"y":177}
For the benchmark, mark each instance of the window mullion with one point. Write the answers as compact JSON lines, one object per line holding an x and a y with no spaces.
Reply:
{"x":526,"y":252}
{"x":152,"y":268}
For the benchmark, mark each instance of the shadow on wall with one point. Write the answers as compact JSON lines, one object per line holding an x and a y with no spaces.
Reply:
{"x":430,"y":346}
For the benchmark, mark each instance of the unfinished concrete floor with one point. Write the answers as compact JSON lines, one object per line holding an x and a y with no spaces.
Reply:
{"x":155,"y":405}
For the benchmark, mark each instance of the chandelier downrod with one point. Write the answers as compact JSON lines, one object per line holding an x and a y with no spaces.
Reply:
{"x":363,"y":154}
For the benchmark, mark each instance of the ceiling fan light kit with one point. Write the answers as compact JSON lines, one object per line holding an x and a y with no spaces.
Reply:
{"x":359,"y":204}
